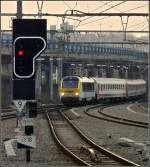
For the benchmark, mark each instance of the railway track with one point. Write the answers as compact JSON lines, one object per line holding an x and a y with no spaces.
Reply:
{"x":11,"y":113}
{"x":75,"y":143}
{"x":46,"y":152}
{"x":120,"y":120}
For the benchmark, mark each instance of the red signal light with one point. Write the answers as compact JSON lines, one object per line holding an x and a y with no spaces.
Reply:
{"x":21,"y":53}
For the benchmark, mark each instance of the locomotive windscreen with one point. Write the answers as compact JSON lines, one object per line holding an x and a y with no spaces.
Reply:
{"x":70,"y":82}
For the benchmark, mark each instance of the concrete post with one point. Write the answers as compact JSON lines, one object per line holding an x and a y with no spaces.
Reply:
{"x":59,"y":70}
{"x":38,"y":78}
{"x":51,"y":78}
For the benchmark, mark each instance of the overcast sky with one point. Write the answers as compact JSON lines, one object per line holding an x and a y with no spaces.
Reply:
{"x":93,"y":23}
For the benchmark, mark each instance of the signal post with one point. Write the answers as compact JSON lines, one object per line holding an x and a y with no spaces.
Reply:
{"x":29,"y":41}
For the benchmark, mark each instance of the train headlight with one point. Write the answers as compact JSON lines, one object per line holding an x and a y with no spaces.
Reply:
{"x":62,"y":94}
{"x":76,"y":93}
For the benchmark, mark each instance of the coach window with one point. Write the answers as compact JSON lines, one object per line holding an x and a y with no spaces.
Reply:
{"x":84,"y":87}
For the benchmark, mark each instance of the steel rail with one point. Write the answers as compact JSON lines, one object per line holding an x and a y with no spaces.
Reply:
{"x":124,"y":119}
{"x":103,"y":150}
{"x":63,"y":147}
{"x":75,"y":150}
{"x":5,"y":114}
{"x":115,"y":120}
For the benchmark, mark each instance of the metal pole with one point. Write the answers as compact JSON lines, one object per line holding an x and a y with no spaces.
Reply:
{"x":19,"y":9}
{"x":0,"y":87}
{"x":0,"y":60}
{"x":28,"y":157}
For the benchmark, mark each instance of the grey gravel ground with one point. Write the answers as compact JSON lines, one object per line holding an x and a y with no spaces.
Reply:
{"x":46,"y":151}
{"x":131,"y":111}
{"x":100,"y":132}
{"x":140,"y":107}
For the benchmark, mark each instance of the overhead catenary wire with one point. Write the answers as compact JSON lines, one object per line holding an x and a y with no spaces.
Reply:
{"x":67,"y":4}
{"x":135,"y":25}
{"x":144,"y":28}
{"x":75,"y":5}
{"x":103,"y":12}
{"x":95,"y":10}
{"x":114,"y":6}
{"x":109,"y":16}
{"x":92,"y":11}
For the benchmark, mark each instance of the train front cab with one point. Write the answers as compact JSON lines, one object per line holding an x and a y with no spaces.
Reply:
{"x":70,"y":89}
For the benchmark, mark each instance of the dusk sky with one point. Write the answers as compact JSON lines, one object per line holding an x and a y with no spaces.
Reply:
{"x":93,"y":23}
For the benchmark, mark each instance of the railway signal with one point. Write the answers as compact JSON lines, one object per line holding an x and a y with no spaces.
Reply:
{"x":26,"y":50}
{"x":29,"y":41}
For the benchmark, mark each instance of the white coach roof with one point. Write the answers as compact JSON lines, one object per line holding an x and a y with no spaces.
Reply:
{"x":86,"y":79}
{"x":137,"y":81}
{"x":110,"y":80}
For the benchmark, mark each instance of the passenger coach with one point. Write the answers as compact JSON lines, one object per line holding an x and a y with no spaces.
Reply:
{"x":82,"y":89}
{"x":109,"y":88}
